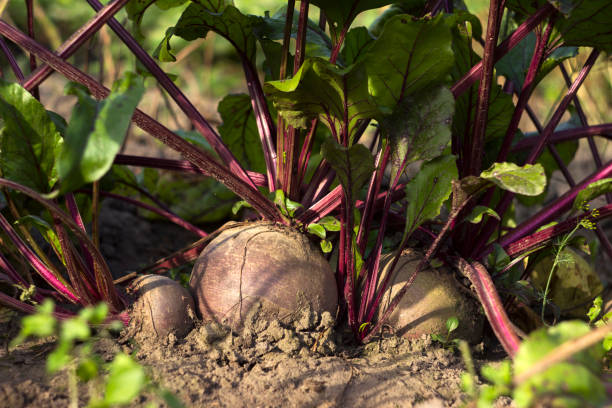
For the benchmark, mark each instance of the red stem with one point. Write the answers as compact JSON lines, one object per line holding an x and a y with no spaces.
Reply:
{"x":521,"y":32}
{"x":473,"y":161}
{"x":195,"y":155}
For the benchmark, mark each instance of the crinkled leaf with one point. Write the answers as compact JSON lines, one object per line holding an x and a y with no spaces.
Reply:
{"x":239,"y":131}
{"x":29,"y":140}
{"x":342,"y":12}
{"x":96,"y":132}
{"x":478,"y":212}
{"x":356,"y":44}
{"x":420,"y":126}
{"x":125,"y":380}
{"x":528,"y":179}
{"x":319,"y":89}
{"x":592,"y":191}
{"x":410,"y":55}
{"x":221,"y":17}
{"x":353,"y":166}
{"x":428,"y":190}
{"x":316,"y":229}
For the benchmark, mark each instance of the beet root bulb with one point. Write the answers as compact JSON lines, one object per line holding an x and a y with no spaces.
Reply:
{"x":263,"y":268}
{"x":162,"y":307}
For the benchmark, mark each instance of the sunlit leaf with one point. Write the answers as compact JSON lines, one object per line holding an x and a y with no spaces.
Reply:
{"x":528,"y":179}
{"x":428,"y":190}
{"x":29,"y":140}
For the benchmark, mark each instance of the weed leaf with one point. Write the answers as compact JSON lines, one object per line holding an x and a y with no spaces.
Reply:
{"x":125,"y":380}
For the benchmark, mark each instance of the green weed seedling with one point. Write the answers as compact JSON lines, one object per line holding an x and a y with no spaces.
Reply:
{"x":572,"y":382}
{"x":451,"y":325}
{"x":111,"y":384}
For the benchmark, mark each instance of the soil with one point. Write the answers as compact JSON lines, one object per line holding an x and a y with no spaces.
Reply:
{"x":270,"y":364}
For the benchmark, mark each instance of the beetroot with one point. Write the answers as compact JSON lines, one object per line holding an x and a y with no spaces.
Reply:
{"x":261,"y":265}
{"x":162,"y":306}
{"x":433,"y":297}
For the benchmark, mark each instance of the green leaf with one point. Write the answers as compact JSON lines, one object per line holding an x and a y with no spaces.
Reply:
{"x":317,"y":230}
{"x":478,"y":212}
{"x":29,"y":140}
{"x":409,"y":56}
{"x":326,"y":246}
{"x":41,"y":324}
{"x":591,"y":192}
{"x":330,"y":223}
{"x":419,"y":128}
{"x":87,"y":369}
{"x":96,"y":132}
{"x":125,"y":381}
{"x":356,"y":44}
{"x":499,"y":374}
{"x":270,"y":30}
{"x":60,"y":357}
{"x":223,"y":18}
{"x":528,"y":179}
{"x":239,"y":131}
{"x":239,"y":205}
{"x":75,"y":329}
{"x":588,"y":24}
{"x":428,"y":190}
{"x":412,"y":7}
{"x":515,"y":64}
{"x":353,"y":166}
{"x":452,"y":323}
{"x":136,"y":8}
{"x":320,"y":89}
{"x":342,"y":12}
{"x":595,"y":310}
{"x":163,"y":52}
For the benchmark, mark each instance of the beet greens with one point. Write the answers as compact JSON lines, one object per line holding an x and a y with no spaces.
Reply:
{"x":343,"y":112}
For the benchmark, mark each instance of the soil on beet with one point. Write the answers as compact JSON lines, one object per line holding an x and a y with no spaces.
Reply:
{"x":307,"y":364}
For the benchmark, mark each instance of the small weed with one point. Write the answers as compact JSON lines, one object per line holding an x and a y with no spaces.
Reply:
{"x":114,"y":383}
{"x":451,"y":325}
